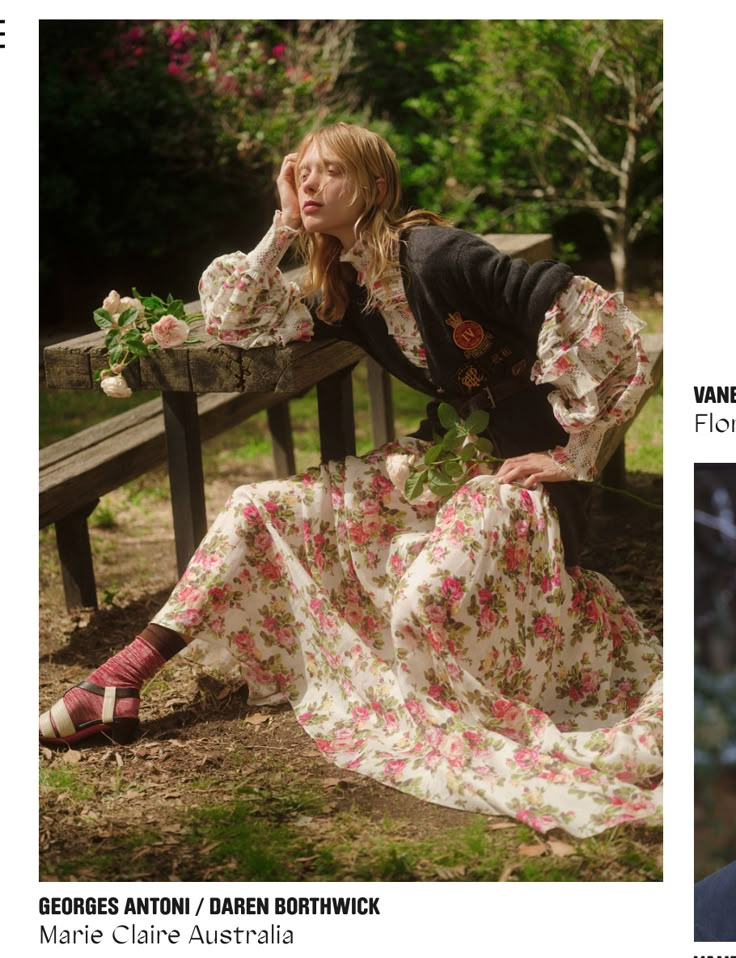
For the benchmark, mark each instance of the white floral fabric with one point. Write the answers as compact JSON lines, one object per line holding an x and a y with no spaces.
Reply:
{"x":443,"y":650}
{"x":589,"y":349}
{"x":588,"y":346}
{"x":440,"y":648}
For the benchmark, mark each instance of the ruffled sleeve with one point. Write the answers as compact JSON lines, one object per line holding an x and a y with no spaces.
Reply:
{"x":246,"y":300}
{"x":589,"y":350}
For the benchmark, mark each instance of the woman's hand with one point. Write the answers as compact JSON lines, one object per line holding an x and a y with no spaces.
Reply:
{"x":531,"y":469}
{"x":288,"y":194}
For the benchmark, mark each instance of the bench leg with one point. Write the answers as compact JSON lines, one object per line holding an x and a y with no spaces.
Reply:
{"x":382,"y":407}
{"x":282,"y":439}
{"x":336,"y":417}
{"x":186,"y":478}
{"x":75,"y":556}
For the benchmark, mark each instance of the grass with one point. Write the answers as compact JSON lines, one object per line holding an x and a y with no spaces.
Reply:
{"x":282,"y":824}
{"x":288,"y":832}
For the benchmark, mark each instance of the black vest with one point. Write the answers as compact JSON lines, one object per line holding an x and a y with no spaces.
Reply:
{"x":479,"y":314}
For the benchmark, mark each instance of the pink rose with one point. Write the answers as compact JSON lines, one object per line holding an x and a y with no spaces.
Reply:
{"x":112,"y":302}
{"x":115,"y":387}
{"x":170,"y":331}
{"x":394,"y":769}
{"x":436,"y":614}
{"x":544,"y":624}
{"x":129,"y":302}
{"x":526,"y":757}
{"x":452,"y":589}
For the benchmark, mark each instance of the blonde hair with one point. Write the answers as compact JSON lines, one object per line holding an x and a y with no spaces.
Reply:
{"x":366,"y":157}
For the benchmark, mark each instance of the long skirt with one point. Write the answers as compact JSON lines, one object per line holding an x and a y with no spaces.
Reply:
{"x":443,"y":650}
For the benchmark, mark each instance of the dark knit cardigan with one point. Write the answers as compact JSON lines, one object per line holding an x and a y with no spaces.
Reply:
{"x":450,"y":278}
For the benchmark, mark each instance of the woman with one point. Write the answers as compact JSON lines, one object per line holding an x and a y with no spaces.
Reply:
{"x":452,"y":650}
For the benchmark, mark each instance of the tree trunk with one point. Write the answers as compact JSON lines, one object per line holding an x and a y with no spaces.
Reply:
{"x":617,"y":235}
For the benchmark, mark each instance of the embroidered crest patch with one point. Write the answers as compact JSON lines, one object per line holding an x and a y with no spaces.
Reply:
{"x":470,"y":378}
{"x":469,"y":335}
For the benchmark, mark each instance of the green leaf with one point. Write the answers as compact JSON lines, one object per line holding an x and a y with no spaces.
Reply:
{"x":415,"y":485}
{"x":485,"y":446}
{"x":477,"y":421}
{"x":103,"y":318}
{"x":433,"y":454}
{"x":454,"y":470}
{"x":127,"y":316}
{"x":153,"y":303}
{"x":111,"y":338}
{"x":454,"y":437}
{"x":116,"y":354}
{"x":441,"y":487}
{"x":467,"y":453}
{"x":448,"y":415}
{"x":138,"y":348}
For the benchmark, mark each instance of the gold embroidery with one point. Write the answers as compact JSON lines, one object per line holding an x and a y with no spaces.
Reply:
{"x":469,"y":335}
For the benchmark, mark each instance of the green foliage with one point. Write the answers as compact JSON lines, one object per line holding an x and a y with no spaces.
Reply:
{"x":162,"y":136}
{"x":449,"y":463}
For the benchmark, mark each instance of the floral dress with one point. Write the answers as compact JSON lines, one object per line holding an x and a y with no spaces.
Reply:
{"x":442,"y":648}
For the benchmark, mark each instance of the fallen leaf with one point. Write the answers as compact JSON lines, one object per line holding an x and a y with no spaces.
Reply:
{"x":47,"y":754}
{"x":561,"y":849}
{"x":119,"y":759}
{"x":336,"y":782}
{"x":72,"y":757}
{"x":496,"y":826}
{"x":507,"y":872}
{"x":532,"y":851}
{"x":449,"y":872}
{"x":257,"y":718}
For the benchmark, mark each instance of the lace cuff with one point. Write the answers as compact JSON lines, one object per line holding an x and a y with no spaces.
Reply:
{"x":246,"y":300}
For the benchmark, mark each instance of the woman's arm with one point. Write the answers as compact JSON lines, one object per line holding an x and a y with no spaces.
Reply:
{"x":589,"y":350}
{"x":245,"y":298}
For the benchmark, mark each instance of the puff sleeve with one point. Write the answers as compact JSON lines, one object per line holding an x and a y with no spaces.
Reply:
{"x":247,"y":302}
{"x":589,"y":349}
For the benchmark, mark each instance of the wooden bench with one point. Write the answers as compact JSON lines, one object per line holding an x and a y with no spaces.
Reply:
{"x":76,"y":471}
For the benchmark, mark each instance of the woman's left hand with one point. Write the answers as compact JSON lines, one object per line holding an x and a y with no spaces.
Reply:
{"x":531,"y":469}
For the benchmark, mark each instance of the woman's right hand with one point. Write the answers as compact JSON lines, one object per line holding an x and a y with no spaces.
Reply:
{"x":286,"y":182}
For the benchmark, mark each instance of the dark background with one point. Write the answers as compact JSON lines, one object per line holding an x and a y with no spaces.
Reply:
{"x":160,"y":139}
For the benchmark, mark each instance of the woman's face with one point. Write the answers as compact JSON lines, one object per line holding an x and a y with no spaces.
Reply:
{"x":325,"y":196}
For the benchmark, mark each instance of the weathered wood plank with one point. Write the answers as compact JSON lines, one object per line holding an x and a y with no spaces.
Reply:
{"x":336,"y":418}
{"x":120,"y":449}
{"x":75,"y":558}
{"x":212,"y":366}
{"x":382,"y":406}
{"x":529,"y":246}
{"x":186,"y":478}
{"x":282,"y":437}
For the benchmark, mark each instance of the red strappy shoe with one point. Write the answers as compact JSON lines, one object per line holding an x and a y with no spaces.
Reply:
{"x":56,"y":726}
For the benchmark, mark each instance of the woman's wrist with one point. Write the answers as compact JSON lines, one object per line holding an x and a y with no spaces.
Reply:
{"x":291,"y":222}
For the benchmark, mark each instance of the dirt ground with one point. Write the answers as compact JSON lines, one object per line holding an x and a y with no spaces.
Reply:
{"x":125,"y":813}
